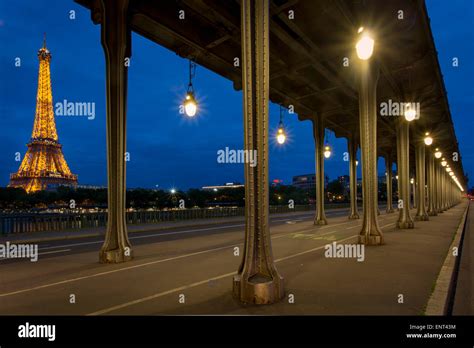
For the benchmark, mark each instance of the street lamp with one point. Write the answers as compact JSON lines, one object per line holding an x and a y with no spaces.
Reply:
{"x":438,"y":153}
{"x":443,"y":162}
{"x":451,"y":173}
{"x":410,"y":114}
{"x":190,"y":103}
{"x":365,"y":44}
{"x":428,"y":140}
{"x":327,"y":151}
{"x":281,"y":136}
{"x":357,"y":162}
{"x":173,"y":191}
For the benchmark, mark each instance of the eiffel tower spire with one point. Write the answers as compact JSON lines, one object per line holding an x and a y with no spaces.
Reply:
{"x":44,"y":165}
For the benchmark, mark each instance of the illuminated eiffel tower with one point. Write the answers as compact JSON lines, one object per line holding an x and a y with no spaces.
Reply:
{"x":43,"y":166}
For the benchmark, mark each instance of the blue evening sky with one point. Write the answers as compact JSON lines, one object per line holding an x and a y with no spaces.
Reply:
{"x":167,"y":149}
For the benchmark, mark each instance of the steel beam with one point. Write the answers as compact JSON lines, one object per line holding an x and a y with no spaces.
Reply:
{"x":388,"y":169}
{"x":318,"y":135}
{"x":115,"y":35}
{"x":421,"y":214}
{"x":431,"y":185}
{"x":257,"y":280}
{"x":370,"y":234}
{"x":403,"y":158}
{"x":352,"y":149}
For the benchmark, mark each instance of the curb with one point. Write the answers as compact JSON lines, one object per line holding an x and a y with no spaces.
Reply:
{"x":439,"y":300}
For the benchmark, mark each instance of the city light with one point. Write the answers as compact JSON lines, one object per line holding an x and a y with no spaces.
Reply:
{"x":173,"y":191}
{"x":438,"y":153}
{"x":281,"y":137}
{"x":365,"y":45}
{"x":410,"y":114}
{"x":190,"y":103}
{"x":327,"y":151}
{"x":444,"y":163}
{"x":428,"y":139}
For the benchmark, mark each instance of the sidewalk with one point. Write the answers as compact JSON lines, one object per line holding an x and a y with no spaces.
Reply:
{"x":464,"y":296}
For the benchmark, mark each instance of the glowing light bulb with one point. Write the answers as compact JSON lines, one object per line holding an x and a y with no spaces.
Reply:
{"x":444,"y":163}
{"x":365,"y":45}
{"x":327,"y":151}
{"x":281,"y":137}
{"x":428,"y":139}
{"x":438,"y":153}
{"x":190,"y":105}
{"x":410,"y":114}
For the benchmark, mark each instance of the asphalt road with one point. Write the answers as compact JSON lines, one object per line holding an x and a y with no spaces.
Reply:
{"x":189,"y":271}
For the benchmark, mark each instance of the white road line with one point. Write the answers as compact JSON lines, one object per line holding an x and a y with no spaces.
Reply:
{"x":160,"y":294}
{"x":193,"y":285}
{"x":132,"y":267}
{"x":158,"y":234}
{"x":39,"y":254}
{"x":112,"y":271}
{"x":311,"y":250}
{"x":54,"y":252}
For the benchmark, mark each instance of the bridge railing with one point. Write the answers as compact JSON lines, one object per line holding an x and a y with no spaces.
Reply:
{"x":42,"y":222}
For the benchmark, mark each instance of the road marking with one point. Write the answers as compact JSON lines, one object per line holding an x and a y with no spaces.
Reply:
{"x":193,"y":285}
{"x":66,"y":281}
{"x":54,"y":252}
{"x":112,"y":271}
{"x":161,"y":294}
{"x":160,"y":234}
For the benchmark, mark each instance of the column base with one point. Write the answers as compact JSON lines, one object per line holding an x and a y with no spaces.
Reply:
{"x":405,"y":224}
{"x":258,"y":289}
{"x":432,"y":213}
{"x":320,"y":222}
{"x":115,"y":256}
{"x":370,"y":240}
{"x":389,"y":211}
{"x":354,"y":217}
{"x":422,"y":217}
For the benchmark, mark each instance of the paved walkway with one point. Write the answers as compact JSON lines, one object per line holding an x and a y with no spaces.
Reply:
{"x":200,"y":268}
{"x":464,"y":297}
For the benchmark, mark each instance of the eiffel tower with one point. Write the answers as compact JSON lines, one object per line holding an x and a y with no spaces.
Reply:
{"x":43,"y":166}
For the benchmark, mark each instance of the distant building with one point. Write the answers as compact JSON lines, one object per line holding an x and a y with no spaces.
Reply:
{"x":305,"y":182}
{"x":91,"y":187}
{"x":277,"y":182}
{"x":229,"y":185}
